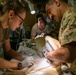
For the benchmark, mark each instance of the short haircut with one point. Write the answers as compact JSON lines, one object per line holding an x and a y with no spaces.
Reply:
{"x":42,"y":19}
{"x":39,"y":16}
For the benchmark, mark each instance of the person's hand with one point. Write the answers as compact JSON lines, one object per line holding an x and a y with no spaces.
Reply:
{"x":53,"y":55}
{"x":49,"y":55}
{"x":28,"y":61}
{"x":19,"y":56}
{"x":59,"y":55}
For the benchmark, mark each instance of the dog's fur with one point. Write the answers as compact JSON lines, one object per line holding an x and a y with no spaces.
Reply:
{"x":41,"y":67}
{"x":37,"y":68}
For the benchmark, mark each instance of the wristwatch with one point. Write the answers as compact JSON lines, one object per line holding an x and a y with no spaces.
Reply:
{"x":19,"y":65}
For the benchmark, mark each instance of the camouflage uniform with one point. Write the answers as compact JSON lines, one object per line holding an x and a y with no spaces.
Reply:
{"x":67,"y":32}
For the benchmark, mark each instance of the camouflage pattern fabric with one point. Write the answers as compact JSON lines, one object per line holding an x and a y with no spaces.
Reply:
{"x":67,"y":32}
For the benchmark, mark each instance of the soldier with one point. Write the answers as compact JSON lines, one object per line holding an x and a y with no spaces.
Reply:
{"x":59,"y":10}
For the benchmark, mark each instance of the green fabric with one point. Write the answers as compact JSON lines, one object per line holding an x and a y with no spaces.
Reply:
{"x":67,"y":32}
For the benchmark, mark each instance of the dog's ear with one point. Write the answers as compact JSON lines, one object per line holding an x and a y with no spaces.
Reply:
{"x":40,"y":43}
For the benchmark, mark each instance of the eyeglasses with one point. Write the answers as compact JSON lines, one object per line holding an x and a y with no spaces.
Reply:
{"x":20,"y":17}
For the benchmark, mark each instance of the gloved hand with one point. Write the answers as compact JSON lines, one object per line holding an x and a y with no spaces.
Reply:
{"x":28,"y":61}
